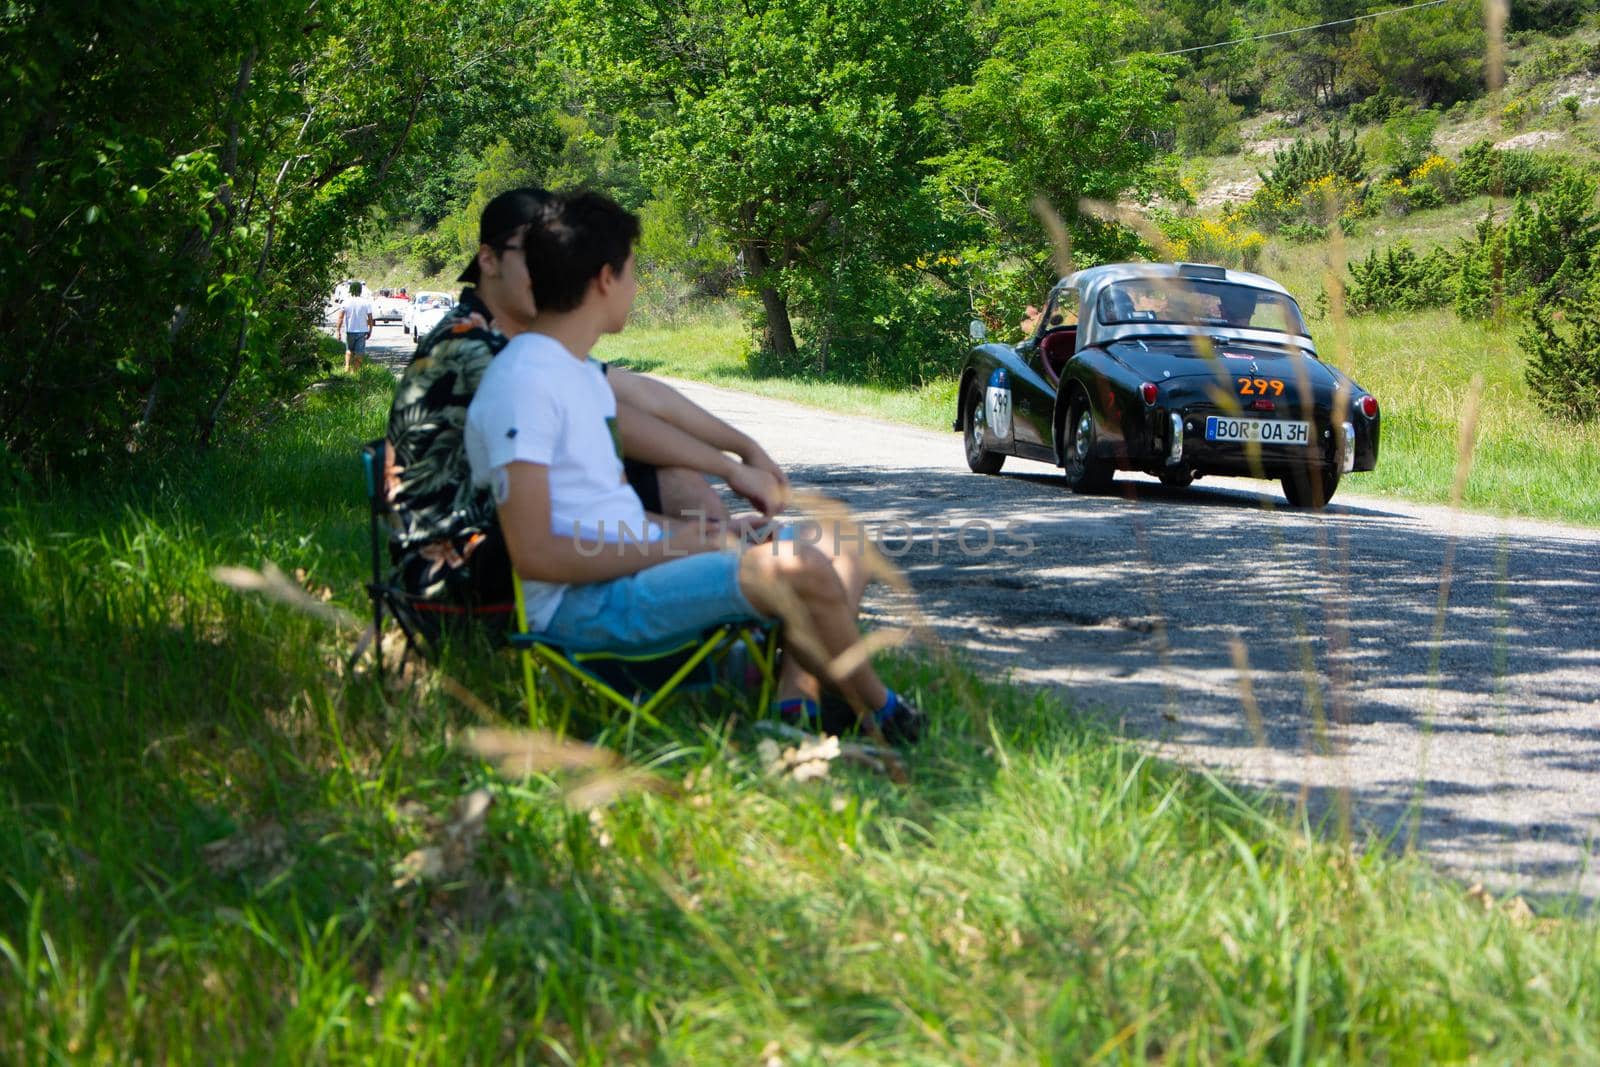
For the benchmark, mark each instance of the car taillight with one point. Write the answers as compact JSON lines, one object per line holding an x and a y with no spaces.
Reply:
{"x":1148,"y":391}
{"x":1369,"y":406}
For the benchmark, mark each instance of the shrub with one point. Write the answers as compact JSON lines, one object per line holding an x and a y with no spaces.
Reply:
{"x":1397,"y":279}
{"x":1563,"y":59}
{"x":1306,"y":160}
{"x":1552,"y":241}
{"x":1486,"y":169}
{"x":1421,"y":197}
{"x":1480,"y":279}
{"x":1226,"y":241}
{"x":1515,"y":113}
{"x":1376,"y":107}
{"x":1571,"y":104}
{"x":1396,"y":198}
{"x":1404,"y":142}
{"x":1303,"y":233}
{"x":1439,"y":173}
{"x":1312,"y":181}
{"x":1562,"y":344}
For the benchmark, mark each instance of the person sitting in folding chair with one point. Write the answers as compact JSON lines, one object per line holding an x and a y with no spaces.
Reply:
{"x":446,"y":541}
{"x":596,"y":573}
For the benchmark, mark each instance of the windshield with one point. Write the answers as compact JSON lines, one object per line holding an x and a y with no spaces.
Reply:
{"x":1194,"y":302}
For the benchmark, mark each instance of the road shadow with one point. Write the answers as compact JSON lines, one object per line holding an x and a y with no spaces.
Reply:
{"x":1447,"y":683}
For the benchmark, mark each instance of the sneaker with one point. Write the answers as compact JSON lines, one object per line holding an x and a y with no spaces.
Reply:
{"x":904,"y":724}
{"x":833,"y":717}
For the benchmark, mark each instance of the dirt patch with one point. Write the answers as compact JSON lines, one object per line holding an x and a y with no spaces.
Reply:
{"x":1236,"y":192}
{"x":1531,"y":139}
{"x":1267,"y":145}
{"x":1586,"y":87}
{"x":1454,"y":140}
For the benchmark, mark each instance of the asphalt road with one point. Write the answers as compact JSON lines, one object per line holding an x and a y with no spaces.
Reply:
{"x":1480,"y":724}
{"x":1471,"y":729}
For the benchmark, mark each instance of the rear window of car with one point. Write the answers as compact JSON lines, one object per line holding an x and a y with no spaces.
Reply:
{"x":1196,"y":302}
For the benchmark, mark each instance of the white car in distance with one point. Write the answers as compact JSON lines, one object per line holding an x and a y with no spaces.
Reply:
{"x":387,"y":308}
{"x":426,"y":310}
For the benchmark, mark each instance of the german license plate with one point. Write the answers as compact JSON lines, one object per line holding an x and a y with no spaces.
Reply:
{"x":1264,"y":431}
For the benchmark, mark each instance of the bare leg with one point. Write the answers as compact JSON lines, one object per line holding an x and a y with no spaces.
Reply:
{"x":799,"y":584}
{"x":845,"y":555}
{"x":685,"y":494}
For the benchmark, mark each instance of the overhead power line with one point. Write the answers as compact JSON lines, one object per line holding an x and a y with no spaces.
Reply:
{"x":1302,"y":29}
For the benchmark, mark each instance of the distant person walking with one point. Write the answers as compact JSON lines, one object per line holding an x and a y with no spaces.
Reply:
{"x":355,"y":322}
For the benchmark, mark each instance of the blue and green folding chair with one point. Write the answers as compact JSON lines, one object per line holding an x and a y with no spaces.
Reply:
{"x":639,"y":684}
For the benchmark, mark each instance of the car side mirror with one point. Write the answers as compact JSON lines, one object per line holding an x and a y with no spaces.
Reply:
{"x":977,"y":330}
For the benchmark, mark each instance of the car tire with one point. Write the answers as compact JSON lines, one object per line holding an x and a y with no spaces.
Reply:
{"x":979,"y":459}
{"x":1177,"y":479}
{"x":1084,"y":473}
{"x":1311,"y":488}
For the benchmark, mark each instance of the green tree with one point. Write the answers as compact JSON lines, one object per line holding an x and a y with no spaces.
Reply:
{"x":1207,"y":122}
{"x":1553,"y":241}
{"x":1053,"y":112}
{"x":1562,"y":342}
{"x":1234,"y":72}
{"x":180,"y":181}
{"x":796,"y":126}
{"x":1433,"y":56}
{"x":1310,"y":66}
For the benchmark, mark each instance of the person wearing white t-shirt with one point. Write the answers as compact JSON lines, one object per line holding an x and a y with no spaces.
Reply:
{"x":597,"y":574}
{"x":355,"y":323}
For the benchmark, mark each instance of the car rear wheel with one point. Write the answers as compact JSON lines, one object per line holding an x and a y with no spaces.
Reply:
{"x":980,"y":459}
{"x":1310,"y":488}
{"x":1084,"y":473}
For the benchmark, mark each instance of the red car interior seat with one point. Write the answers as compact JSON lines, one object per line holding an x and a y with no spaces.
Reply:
{"x":1055,"y":348}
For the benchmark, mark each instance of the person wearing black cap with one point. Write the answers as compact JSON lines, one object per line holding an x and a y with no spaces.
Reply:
{"x":447,"y":541}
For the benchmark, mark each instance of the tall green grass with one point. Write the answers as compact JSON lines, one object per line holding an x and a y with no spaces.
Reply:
{"x":1038,"y":892}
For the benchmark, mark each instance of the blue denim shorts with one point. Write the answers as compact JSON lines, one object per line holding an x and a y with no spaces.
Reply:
{"x":656,"y":609}
{"x":356,"y":343}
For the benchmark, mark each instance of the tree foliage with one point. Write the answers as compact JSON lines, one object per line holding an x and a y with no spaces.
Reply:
{"x":796,"y":126}
{"x":1432,"y":56}
{"x":1563,"y":347}
{"x":1051,"y":114}
{"x":180,"y":182}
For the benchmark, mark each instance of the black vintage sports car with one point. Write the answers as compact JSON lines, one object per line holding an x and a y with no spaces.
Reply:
{"x":1175,"y":369}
